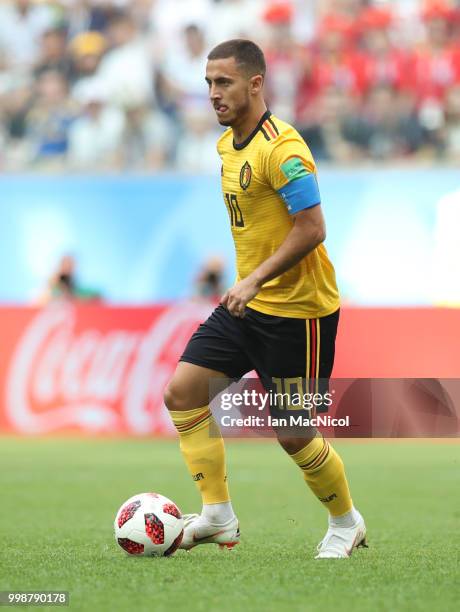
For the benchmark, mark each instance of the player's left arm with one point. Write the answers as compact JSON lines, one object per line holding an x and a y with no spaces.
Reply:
{"x":295,"y":180}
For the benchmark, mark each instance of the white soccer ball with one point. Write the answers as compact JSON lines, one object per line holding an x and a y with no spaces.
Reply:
{"x":149,"y":524}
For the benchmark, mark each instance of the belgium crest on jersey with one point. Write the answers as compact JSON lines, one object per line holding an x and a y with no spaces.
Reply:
{"x":245,"y":176}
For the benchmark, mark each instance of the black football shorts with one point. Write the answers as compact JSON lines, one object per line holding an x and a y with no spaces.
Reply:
{"x":276,"y":347}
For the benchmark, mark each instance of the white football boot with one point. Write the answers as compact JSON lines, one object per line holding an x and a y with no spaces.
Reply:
{"x":201,"y":532}
{"x":339,"y":542}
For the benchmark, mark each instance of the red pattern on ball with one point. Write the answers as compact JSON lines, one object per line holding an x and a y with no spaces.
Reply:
{"x":173,"y":510}
{"x":132,"y":548}
{"x":154,"y":528}
{"x":175,"y":545}
{"x":128,"y":512}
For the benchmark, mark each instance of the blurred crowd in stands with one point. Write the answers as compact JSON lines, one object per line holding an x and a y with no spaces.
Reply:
{"x":118,"y":85}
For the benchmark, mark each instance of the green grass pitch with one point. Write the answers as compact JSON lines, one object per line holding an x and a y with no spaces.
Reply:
{"x":59,"y":498}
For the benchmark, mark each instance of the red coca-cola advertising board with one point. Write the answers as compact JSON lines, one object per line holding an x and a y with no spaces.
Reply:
{"x":91,"y":369}
{"x":102,"y":370}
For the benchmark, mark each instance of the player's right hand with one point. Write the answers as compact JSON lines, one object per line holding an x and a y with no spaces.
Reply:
{"x":236,"y":298}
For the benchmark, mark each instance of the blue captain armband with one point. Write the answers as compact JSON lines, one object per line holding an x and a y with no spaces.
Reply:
{"x":301,"y":193}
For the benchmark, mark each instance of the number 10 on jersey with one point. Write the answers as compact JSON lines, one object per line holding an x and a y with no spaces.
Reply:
{"x":236,"y":216}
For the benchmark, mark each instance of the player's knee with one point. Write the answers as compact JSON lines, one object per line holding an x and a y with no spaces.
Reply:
{"x":174,"y":397}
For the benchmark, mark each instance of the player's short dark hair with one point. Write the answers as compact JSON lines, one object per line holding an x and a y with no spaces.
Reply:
{"x":246,"y":53}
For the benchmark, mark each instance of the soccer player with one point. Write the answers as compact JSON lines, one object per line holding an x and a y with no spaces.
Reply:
{"x":280,"y":318}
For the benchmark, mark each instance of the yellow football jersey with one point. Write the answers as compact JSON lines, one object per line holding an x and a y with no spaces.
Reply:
{"x":253,"y":172}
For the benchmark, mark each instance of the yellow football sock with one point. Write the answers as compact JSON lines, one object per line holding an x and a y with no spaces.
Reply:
{"x":202,"y":445}
{"x":324,"y":473}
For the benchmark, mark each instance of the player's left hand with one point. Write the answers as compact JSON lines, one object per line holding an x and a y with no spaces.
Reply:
{"x":236,"y":298}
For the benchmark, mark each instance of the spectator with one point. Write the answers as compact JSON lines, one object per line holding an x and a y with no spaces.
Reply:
{"x":326,"y":134}
{"x":388,"y":128}
{"x":452,"y":124}
{"x":436,"y":61}
{"x":181,"y":74}
{"x":49,"y":120}
{"x":16,"y":105}
{"x":287,"y":62}
{"x":127,"y":67}
{"x":52,"y":54}
{"x":86,"y":51}
{"x":383,"y":63}
{"x":95,"y":137}
{"x":22,"y":23}
{"x":334,"y":63}
{"x":196,"y":150}
{"x":147,"y":138}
